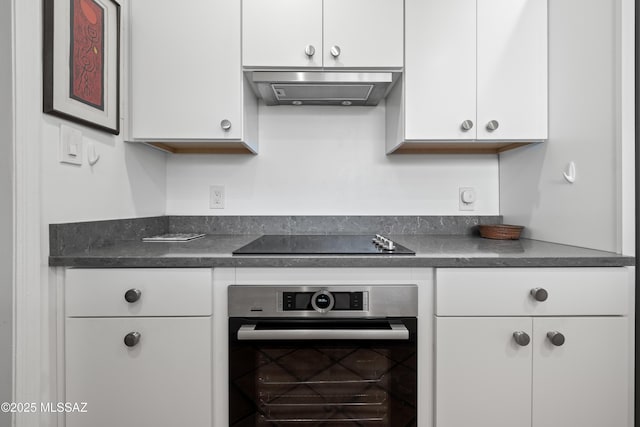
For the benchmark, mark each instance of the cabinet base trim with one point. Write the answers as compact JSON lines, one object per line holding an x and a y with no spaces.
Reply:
{"x":457,"y":147}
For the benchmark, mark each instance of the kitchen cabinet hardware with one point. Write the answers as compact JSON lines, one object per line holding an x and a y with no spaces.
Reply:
{"x":310,"y":50}
{"x":335,"y":51}
{"x":493,"y":125}
{"x":539,"y":294}
{"x":225,"y":125}
{"x":466,"y":125}
{"x":556,"y":338}
{"x":132,"y":295}
{"x":521,"y":338}
{"x":132,"y":339}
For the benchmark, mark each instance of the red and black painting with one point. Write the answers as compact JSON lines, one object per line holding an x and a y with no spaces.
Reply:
{"x":87,"y":68}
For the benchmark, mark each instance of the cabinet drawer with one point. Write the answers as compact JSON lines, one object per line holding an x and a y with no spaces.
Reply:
{"x":507,"y":291}
{"x":163,"y":292}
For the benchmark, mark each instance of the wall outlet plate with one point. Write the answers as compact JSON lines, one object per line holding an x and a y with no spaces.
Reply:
{"x":466,"y":199}
{"x":216,"y":197}
{"x":71,"y":150}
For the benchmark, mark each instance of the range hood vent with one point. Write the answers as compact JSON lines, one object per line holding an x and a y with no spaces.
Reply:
{"x":322,"y":88}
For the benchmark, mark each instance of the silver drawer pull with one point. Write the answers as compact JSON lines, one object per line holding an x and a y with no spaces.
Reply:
{"x":493,"y":125}
{"x":539,"y":294}
{"x":132,"y":339}
{"x":521,"y":338}
{"x":556,"y":338}
{"x":466,"y":125}
{"x":310,"y":50}
{"x":132,"y":295}
{"x":249,"y":333}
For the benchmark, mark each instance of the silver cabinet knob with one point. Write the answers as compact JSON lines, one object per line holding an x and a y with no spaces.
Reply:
{"x":132,"y":295}
{"x":556,"y":338}
{"x":335,"y":51}
{"x":521,"y":338}
{"x":132,"y":339}
{"x":225,"y":125}
{"x":466,"y":125}
{"x":539,"y":294}
{"x":309,"y":50}
{"x":492,"y":125}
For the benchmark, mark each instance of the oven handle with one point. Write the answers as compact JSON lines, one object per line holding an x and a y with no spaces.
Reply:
{"x":249,"y":332}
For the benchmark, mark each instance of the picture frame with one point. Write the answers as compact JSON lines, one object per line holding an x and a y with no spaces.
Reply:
{"x":81,"y":62}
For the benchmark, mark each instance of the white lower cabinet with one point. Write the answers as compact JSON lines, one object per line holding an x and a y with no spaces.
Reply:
{"x":483,"y":378}
{"x":585,"y":381}
{"x":525,"y":370}
{"x":162,"y":381}
{"x":134,"y":359}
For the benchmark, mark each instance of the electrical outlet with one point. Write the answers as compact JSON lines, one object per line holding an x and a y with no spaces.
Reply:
{"x":467,"y":198}
{"x":216,"y":197}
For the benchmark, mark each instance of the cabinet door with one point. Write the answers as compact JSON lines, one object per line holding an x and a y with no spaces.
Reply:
{"x":185,"y":69}
{"x":512,"y":69}
{"x":163,"y":381}
{"x":369,"y":33}
{"x":483,"y":377}
{"x":584,"y":382}
{"x":440,"y":72}
{"x":275,"y":33}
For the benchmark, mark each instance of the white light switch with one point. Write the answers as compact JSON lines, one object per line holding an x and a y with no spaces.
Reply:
{"x":70,"y":145}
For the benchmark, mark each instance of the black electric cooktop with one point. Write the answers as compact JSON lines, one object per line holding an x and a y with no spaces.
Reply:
{"x":322,"y":245}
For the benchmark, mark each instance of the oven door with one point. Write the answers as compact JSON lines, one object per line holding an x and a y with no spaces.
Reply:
{"x":334,"y":372}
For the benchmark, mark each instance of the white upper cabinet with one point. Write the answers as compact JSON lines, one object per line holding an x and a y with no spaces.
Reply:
{"x":322,"y":33}
{"x":475,"y":76}
{"x":282,"y":33}
{"x":186,"y":87}
{"x":512,"y":69}
{"x":366,"y":33}
{"x":440,"y":73}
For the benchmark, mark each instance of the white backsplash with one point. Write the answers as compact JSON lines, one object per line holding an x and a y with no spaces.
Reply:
{"x":329,"y":161}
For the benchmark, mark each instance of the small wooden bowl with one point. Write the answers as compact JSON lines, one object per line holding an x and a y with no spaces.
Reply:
{"x":501,"y":231}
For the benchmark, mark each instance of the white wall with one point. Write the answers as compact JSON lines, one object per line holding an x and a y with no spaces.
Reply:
{"x":6,"y":209}
{"x":584,"y":110}
{"x":128,"y":181}
{"x":329,"y":161}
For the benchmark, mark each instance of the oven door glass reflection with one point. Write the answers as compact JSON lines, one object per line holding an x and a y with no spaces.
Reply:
{"x":323,"y":383}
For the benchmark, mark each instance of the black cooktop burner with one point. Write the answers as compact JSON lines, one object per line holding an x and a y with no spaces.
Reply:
{"x":318,"y":245}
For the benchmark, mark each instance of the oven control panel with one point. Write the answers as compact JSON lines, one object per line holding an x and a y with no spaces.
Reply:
{"x":323,"y":301}
{"x":338,"y":301}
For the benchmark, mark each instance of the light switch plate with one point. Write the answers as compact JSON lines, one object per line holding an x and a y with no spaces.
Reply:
{"x":71,"y":150}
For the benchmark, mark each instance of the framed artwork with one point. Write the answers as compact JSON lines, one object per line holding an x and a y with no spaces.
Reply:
{"x":81,"y":53}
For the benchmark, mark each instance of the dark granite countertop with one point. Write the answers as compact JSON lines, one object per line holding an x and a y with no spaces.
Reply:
{"x":431,"y":251}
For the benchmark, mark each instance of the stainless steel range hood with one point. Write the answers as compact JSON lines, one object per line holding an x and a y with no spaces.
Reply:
{"x":321,"y":87}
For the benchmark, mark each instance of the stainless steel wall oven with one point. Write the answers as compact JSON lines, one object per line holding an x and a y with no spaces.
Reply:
{"x":323,"y":356}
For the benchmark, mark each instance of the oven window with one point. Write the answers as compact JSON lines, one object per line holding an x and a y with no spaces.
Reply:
{"x":356,"y":383}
